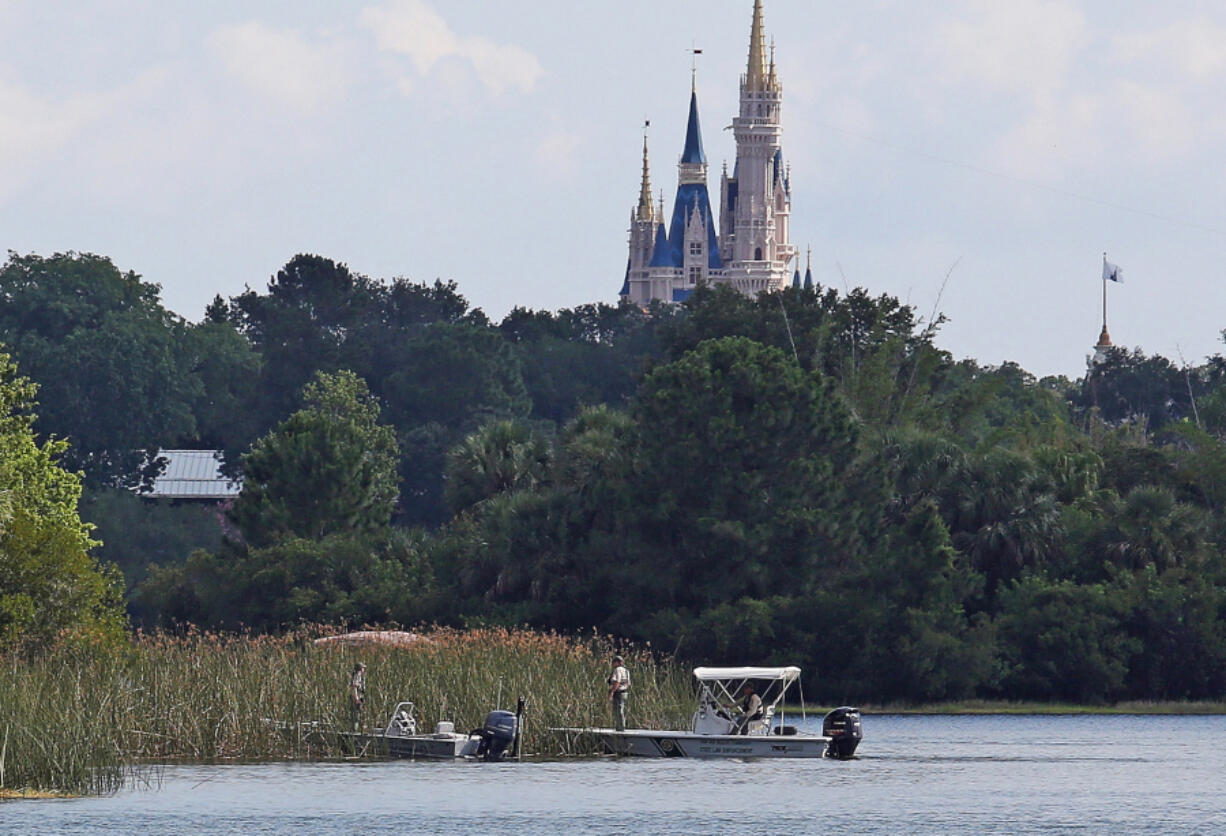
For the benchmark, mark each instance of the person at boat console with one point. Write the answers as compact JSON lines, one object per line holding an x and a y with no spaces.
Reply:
{"x":619,"y":685}
{"x":750,"y":709}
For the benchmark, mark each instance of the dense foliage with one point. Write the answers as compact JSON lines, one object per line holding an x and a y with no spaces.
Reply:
{"x":51,"y":588}
{"x":805,"y":477}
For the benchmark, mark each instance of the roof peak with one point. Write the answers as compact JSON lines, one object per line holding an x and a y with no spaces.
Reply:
{"x":693,"y":153}
{"x":756,"y":73}
{"x":645,"y":211}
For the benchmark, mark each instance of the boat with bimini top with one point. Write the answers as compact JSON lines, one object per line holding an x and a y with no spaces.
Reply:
{"x":719,"y":729}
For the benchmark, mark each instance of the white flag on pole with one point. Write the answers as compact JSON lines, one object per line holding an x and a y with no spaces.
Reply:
{"x":1112,"y":272}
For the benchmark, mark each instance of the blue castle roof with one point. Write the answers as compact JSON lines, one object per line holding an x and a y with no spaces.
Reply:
{"x":690,"y":195}
{"x":662,"y":253}
{"x":625,"y":291}
{"x":693,"y":152}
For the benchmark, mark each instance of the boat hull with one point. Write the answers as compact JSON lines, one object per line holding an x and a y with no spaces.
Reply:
{"x":675,"y":744}
{"x":414,"y":747}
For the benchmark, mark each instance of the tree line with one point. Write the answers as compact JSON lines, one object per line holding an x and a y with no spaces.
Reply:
{"x":805,"y":477}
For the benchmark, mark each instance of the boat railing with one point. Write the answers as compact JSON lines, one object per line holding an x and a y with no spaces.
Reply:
{"x":403,"y":722}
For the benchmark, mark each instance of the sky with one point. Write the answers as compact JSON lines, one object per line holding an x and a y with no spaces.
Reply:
{"x":974,"y":158}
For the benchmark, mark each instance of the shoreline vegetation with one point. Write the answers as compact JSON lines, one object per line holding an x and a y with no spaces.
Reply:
{"x":85,"y":721}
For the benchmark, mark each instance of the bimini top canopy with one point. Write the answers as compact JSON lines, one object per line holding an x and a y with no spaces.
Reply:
{"x":788,"y":674}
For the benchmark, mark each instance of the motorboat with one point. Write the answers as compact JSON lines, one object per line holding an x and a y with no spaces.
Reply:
{"x":718,"y":729}
{"x":497,"y":738}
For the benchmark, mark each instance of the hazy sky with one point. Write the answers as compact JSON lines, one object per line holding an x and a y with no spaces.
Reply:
{"x":498,"y":144}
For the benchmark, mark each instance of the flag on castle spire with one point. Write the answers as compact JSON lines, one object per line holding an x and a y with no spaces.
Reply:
{"x":1112,"y":272}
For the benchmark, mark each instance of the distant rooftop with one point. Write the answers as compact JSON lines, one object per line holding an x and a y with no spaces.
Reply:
{"x":193,"y":474}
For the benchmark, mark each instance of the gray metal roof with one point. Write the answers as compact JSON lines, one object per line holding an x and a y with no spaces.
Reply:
{"x":193,"y":474}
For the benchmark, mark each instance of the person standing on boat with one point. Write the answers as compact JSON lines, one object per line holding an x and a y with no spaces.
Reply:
{"x":357,"y":695}
{"x":619,"y":684}
{"x":751,"y":709}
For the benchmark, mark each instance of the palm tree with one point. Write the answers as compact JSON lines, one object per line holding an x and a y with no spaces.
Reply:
{"x":1003,"y":514}
{"x":500,"y":457}
{"x":1151,"y":528}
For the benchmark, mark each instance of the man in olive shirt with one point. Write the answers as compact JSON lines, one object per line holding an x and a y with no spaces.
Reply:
{"x":619,"y":684}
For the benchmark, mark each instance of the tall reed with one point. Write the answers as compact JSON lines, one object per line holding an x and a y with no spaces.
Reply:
{"x":75,"y":720}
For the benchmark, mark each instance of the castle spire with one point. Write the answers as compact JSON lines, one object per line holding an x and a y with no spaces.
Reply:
{"x":645,"y":211}
{"x":693,"y":152}
{"x":755,"y":75}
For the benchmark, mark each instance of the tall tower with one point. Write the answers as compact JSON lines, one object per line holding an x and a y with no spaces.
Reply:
{"x":686,"y":254}
{"x":750,"y":247}
{"x":643,"y":221}
{"x":692,"y":231}
{"x":757,"y":199}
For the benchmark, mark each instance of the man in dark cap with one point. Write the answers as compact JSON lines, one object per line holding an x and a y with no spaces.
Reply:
{"x":751,"y":709}
{"x":619,"y":684}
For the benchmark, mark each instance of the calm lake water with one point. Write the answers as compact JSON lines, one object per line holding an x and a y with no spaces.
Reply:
{"x":912,"y":775}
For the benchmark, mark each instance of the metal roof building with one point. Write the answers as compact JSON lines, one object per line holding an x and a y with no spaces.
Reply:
{"x":193,"y":474}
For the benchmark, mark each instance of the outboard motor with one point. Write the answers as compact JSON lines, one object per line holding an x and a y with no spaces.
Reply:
{"x":497,"y":735}
{"x":842,"y":726}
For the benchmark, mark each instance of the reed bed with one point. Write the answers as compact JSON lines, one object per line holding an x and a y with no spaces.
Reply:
{"x":84,"y":721}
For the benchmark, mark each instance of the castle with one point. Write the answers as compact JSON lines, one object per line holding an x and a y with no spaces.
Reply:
{"x":752,"y":252}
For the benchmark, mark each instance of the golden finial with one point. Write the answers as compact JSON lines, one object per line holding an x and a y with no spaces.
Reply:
{"x":755,"y":75}
{"x":645,"y":208}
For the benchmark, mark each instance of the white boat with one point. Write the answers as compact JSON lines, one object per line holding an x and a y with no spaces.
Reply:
{"x":720,"y":730}
{"x":495,"y":740}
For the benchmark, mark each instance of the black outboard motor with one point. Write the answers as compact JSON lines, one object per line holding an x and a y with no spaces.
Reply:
{"x":497,"y":735}
{"x":842,"y":726}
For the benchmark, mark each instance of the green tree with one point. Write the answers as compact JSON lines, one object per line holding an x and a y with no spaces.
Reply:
{"x":343,"y":578}
{"x":1179,"y":650}
{"x":137,"y":531}
{"x":447,"y":381}
{"x":1002,"y":514}
{"x":304,"y":324}
{"x":917,"y":640}
{"x":1062,"y":641}
{"x":1148,"y":527}
{"x":592,"y":354}
{"x":328,"y":468}
{"x":456,"y":375}
{"x":501,"y":456}
{"x":226,"y":406}
{"x":50,"y":585}
{"x":109,"y":359}
{"x":742,"y":466}
{"x":873,"y":348}
{"x":1131,"y":386}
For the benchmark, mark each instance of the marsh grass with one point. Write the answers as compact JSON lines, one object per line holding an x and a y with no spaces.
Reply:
{"x":84,"y":721}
